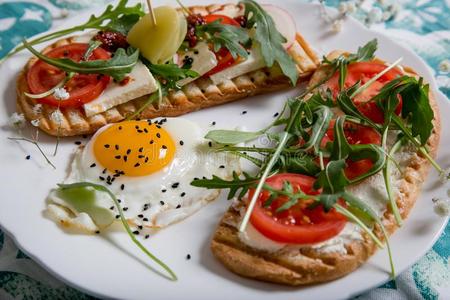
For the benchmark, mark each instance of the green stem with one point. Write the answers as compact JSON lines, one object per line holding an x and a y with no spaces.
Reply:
{"x":387,"y":181}
{"x":360,"y":223}
{"x":124,"y":222}
{"x":151,"y":99}
{"x":37,"y":146}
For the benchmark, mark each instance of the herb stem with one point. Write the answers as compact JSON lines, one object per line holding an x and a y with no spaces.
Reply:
{"x":375,"y":78}
{"x":261,"y":182}
{"x":361,"y":224}
{"x":37,"y":146}
{"x":387,"y":179}
{"x":151,"y":99}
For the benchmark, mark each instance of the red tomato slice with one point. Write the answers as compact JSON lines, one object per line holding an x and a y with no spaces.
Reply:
{"x":355,"y":134}
{"x":224,"y":57}
{"x":82,"y":88}
{"x":299,"y":224}
{"x":364,"y":71}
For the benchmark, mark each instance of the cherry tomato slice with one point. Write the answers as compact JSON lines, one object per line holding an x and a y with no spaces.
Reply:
{"x":300,"y":224}
{"x":355,"y":134}
{"x":224,"y":57}
{"x":82,"y":88}
{"x":364,"y":71}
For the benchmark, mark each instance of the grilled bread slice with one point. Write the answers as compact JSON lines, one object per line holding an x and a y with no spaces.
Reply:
{"x":199,"y":94}
{"x":307,"y":265}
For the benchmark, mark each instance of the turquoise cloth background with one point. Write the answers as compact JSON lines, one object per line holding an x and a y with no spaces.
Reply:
{"x":423,"y":25}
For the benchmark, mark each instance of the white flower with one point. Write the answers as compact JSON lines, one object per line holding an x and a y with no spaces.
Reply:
{"x":442,"y":207}
{"x":342,"y":7}
{"x":36,"y":122}
{"x":336,"y":26}
{"x":37,"y":109}
{"x":61,"y":94}
{"x":375,"y":15}
{"x":444,"y":176}
{"x":56,"y":116}
{"x":17,"y":120}
{"x":444,"y":66}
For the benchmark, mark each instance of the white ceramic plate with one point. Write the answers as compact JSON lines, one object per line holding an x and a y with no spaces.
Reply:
{"x":111,"y":266}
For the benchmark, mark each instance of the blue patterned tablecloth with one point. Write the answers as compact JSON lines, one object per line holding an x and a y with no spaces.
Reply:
{"x":423,"y":25}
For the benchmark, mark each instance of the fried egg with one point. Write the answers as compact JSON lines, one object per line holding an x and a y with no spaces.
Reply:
{"x":148,"y":166}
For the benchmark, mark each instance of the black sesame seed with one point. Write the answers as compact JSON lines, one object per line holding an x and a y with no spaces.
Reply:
{"x":145,"y":219}
{"x":108,"y":178}
{"x":117,"y":147}
{"x":210,"y":144}
{"x":140,"y":227}
{"x":111,"y":208}
{"x":182,"y":194}
{"x":161,"y":202}
{"x":146,"y":159}
{"x":140,"y":150}
{"x":117,"y":157}
{"x":147,"y":236}
{"x":141,"y":156}
{"x":118,"y":200}
{"x":92,"y":166}
{"x":244,"y":112}
{"x":84,"y":136}
{"x":204,"y":177}
{"x":97,"y":232}
{"x":125,"y":158}
{"x":158,"y":135}
{"x":145,"y":130}
{"x":195,"y":52}
{"x":117,"y":216}
{"x":137,"y":165}
{"x":213,"y":123}
{"x":158,"y":126}
{"x":140,"y":131}
{"x":101,"y":177}
{"x":164,"y":146}
{"x":77,"y":143}
{"x":27,"y":157}
{"x":151,"y":142}
{"x":104,"y":171}
{"x":222,"y":167}
{"x":137,"y":127}
{"x":128,"y":151}
{"x":136,"y":232}
{"x":196,"y":178}
{"x":122,"y":187}
{"x":140,"y":216}
{"x":175,"y":185}
{"x":125,"y":208}
{"x":164,"y":190}
{"x":178,"y":206}
{"x":188,"y":257}
{"x":106,"y":146}
{"x":276,"y":114}
{"x":181,"y":143}
{"x":120,"y":127}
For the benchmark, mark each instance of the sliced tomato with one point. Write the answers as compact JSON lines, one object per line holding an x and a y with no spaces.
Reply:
{"x":82,"y":88}
{"x":364,"y":71}
{"x":300,"y":224}
{"x":355,"y":134}
{"x":224,"y":57}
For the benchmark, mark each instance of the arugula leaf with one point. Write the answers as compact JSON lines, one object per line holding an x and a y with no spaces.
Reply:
{"x":231,"y":137}
{"x":332,"y":179}
{"x":364,"y":53}
{"x":416,"y":105}
{"x":270,"y":39}
{"x":234,"y":185}
{"x":321,"y":121}
{"x":113,"y":18}
{"x":299,"y":162}
{"x":169,"y":74}
{"x":117,"y":67}
{"x":348,"y":106}
{"x":224,"y":35}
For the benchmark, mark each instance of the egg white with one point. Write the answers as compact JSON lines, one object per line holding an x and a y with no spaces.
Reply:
{"x":152,"y":200}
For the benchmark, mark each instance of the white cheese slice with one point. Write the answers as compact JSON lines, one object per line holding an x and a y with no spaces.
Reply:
{"x":141,"y":83}
{"x":253,"y":62}
{"x":203,"y":61}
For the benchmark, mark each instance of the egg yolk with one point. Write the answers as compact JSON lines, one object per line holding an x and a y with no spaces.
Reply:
{"x":134,"y":148}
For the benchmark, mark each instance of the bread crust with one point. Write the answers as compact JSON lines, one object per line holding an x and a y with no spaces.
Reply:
{"x":199,"y":94}
{"x":307,"y":265}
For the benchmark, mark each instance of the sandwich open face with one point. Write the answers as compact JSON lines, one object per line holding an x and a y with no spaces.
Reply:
{"x":216,"y":55}
{"x":347,"y":176}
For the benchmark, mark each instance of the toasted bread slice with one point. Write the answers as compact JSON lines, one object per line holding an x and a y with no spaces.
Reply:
{"x":307,"y":265}
{"x":196,"y":95}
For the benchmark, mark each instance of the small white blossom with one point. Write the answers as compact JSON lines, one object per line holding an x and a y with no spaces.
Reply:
{"x":36,"y":122}
{"x":336,"y":26}
{"x":444,"y":66}
{"x":56,"y":116}
{"x":375,"y":15}
{"x":37,"y":109}
{"x":351,"y":7}
{"x":64,"y":13}
{"x":61,"y":94}
{"x":444,"y":176}
{"x":17,"y":120}
{"x":342,"y":7}
{"x":442,"y":207}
